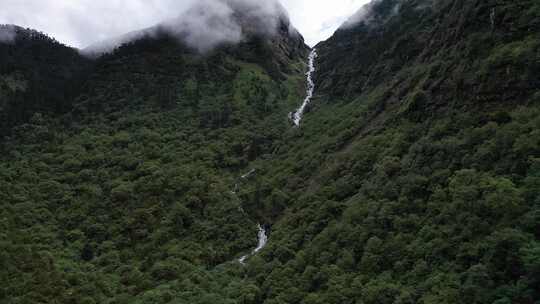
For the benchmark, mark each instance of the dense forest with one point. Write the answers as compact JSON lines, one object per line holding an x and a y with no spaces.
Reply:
{"x":413,"y":178}
{"x":37,"y":74}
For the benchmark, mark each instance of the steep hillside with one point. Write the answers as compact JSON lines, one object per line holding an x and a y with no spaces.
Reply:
{"x":415,"y":176}
{"x":37,"y":74}
{"x":483,"y":50}
{"x":130,"y":196}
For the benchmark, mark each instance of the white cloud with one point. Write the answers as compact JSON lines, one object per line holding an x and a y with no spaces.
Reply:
{"x":83,"y":22}
{"x":7,"y":34}
{"x":317,"y":20}
{"x":208,"y":23}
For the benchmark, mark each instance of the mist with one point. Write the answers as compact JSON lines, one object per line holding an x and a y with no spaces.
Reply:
{"x":84,"y":22}
{"x":7,"y":33}
{"x":207,"y":24}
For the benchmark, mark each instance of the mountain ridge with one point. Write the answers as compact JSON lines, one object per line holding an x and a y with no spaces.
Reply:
{"x":205,"y":26}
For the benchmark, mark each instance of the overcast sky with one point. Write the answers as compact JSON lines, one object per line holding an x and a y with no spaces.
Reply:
{"x":82,"y":22}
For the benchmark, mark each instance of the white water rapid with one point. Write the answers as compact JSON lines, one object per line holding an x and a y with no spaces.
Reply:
{"x":263,"y":239}
{"x":297,"y":116}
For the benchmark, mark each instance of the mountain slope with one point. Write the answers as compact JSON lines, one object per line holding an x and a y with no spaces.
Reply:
{"x":468,"y":47}
{"x":414,"y":177}
{"x":37,"y":74}
{"x":128,"y":198}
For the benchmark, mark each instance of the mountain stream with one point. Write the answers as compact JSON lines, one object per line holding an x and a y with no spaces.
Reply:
{"x":296,"y":117}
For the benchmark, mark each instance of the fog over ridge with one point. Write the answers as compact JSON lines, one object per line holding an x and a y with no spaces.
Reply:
{"x":82,"y":23}
{"x":7,"y":33}
{"x":209,"y":23}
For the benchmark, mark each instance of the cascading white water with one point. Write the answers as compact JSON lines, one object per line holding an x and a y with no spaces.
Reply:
{"x":297,"y":116}
{"x":250,"y":173}
{"x":263,"y":239}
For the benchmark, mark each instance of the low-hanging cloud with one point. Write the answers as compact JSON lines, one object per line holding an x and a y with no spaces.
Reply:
{"x":209,"y":23}
{"x":206,"y":25}
{"x":84,"y":22}
{"x":7,"y":33}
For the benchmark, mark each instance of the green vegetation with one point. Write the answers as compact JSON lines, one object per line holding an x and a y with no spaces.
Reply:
{"x":37,"y":74}
{"x":414,"y":177}
{"x":442,"y":211}
{"x":128,"y":197}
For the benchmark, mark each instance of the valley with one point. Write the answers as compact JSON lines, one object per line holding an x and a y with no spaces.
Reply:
{"x":396,"y":162}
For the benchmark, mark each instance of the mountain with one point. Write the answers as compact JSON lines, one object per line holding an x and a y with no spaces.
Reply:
{"x":212,"y":23}
{"x":37,"y":74}
{"x":134,"y":188}
{"x":414,"y":176}
{"x":473,"y":41}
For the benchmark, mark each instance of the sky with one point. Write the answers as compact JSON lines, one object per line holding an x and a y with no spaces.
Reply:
{"x":79,"y":23}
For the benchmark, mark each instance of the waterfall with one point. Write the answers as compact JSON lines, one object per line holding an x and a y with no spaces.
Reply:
{"x":297,"y":116}
{"x":263,"y":239}
{"x":262,"y":236}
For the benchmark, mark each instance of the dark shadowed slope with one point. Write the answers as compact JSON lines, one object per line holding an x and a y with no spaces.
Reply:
{"x":483,"y":50}
{"x":37,"y":74}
